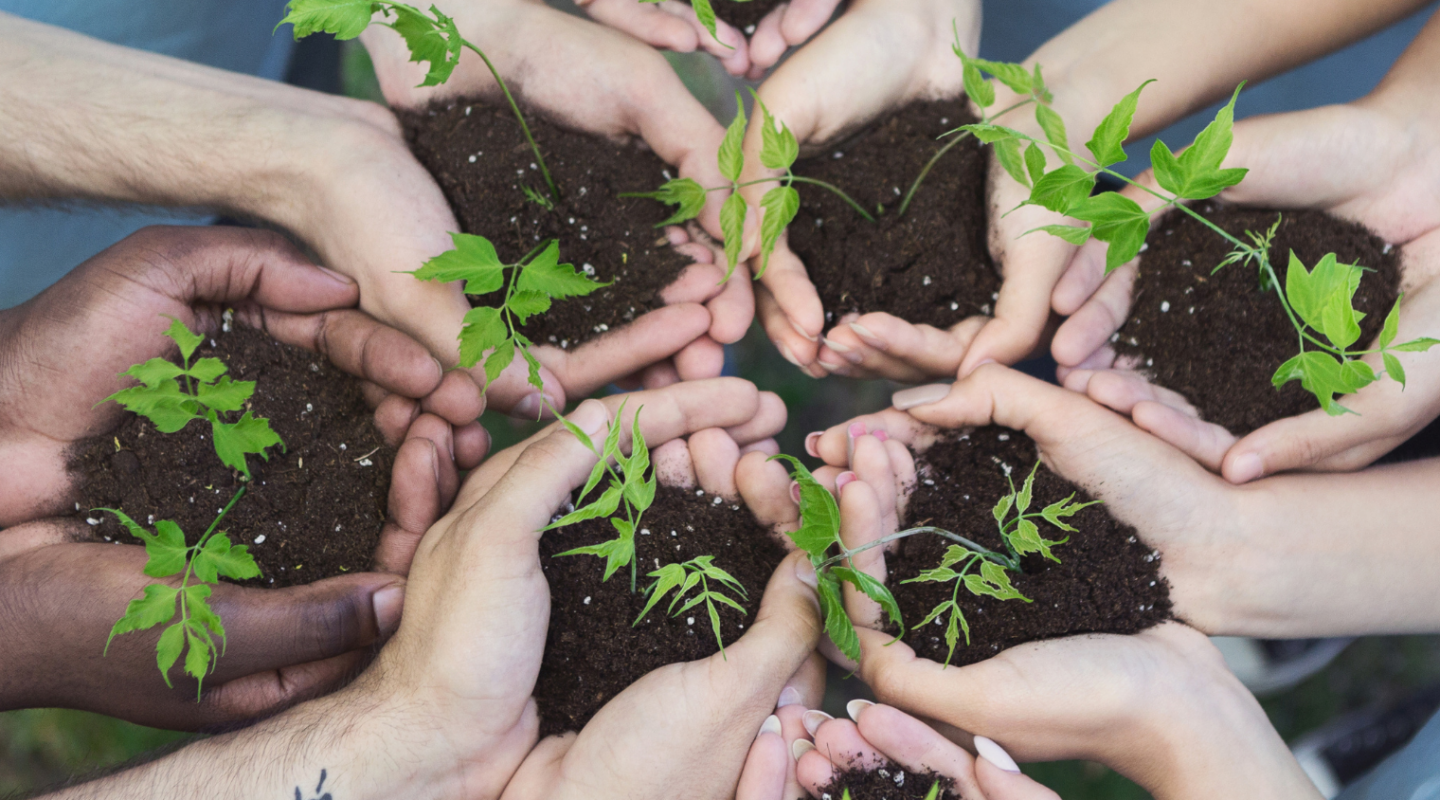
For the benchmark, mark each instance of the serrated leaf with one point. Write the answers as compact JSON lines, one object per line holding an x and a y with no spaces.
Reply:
{"x":1392,"y":324}
{"x":1071,"y":233}
{"x":1319,"y":373}
{"x":165,"y":405}
{"x":155,"y":607}
{"x":780,"y":204}
{"x":1002,"y":507}
{"x":1054,"y":128}
{"x":219,"y":557}
{"x":435,"y":41}
{"x":778,"y":146}
{"x":197,"y":608}
{"x":715,"y":573}
{"x":837,"y":623}
{"x":666,"y":578}
{"x":1056,"y":512}
{"x":732,"y":148}
{"x":706,"y":14}
{"x":484,"y":329}
{"x":1118,"y":221}
{"x":1007,"y":153}
{"x":934,"y":612}
{"x":473,"y":260}
{"x":1356,"y":375}
{"x":185,"y":338}
{"x":1062,"y":189}
{"x":990,"y":134}
{"x":206,"y":370}
{"x":234,"y":441}
{"x":1022,"y":500}
{"x":685,"y":193}
{"x":1012,"y":75}
{"x":1394,"y":369}
{"x":604,"y":506}
{"x":167,"y":650}
{"x":732,"y":225}
{"x":165,"y":551}
{"x":873,"y":589}
{"x":346,"y":19}
{"x":993,"y":581}
{"x":952,"y":632}
{"x":1035,"y":162}
{"x":154,"y":372}
{"x":819,"y":514}
{"x":977,"y":88}
{"x":197,"y":657}
{"x":1026,"y":539}
{"x":1420,"y":345}
{"x":1107,"y":143}
{"x":527,"y":304}
{"x":935,"y":575}
{"x":546,"y":275}
{"x":225,"y":394}
{"x":1195,"y":174}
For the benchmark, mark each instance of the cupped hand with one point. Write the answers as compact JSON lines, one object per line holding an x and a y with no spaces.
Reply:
{"x":878,"y":56}
{"x":1373,"y":161}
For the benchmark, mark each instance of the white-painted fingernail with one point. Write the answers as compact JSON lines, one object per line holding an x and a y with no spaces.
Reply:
{"x":836,"y":346}
{"x":995,"y":754}
{"x":771,"y":725}
{"x":813,"y":719}
{"x":801,"y":331}
{"x":906,"y":399}
{"x":856,"y":707}
{"x":800,"y":747}
{"x":787,"y":355}
{"x":868,"y":337}
{"x":789,"y":696}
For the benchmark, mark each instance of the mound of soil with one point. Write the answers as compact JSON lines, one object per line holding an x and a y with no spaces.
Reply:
{"x":479,"y":157}
{"x":931,"y":266}
{"x":313,"y":511}
{"x":593,"y":651}
{"x":890,"y":782}
{"x":744,"y":14}
{"x":1217,"y":339}
{"x":1108,"y":581}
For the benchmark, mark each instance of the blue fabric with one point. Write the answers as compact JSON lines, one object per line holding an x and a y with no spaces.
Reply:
{"x":1411,"y":774}
{"x":39,"y":245}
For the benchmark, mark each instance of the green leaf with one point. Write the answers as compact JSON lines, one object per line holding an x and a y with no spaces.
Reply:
{"x":155,"y":607}
{"x":977,"y":88}
{"x":1026,"y":539}
{"x":197,"y":658}
{"x":1319,"y":373}
{"x":934,"y":612}
{"x":990,"y":134}
{"x":780,"y":204}
{"x":732,"y":148}
{"x":1012,"y":75}
{"x":706,"y":14}
{"x":346,"y":19}
{"x":436,"y":41}
{"x":1420,"y":345}
{"x":187,"y":339}
{"x":167,"y":650}
{"x":1071,"y":233}
{"x":1107,"y":143}
{"x":545,"y":274}
{"x":993,"y":581}
{"x":732,"y":225}
{"x":666,"y":578}
{"x":1394,"y":369}
{"x":639,"y":460}
{"x":1118,"y":220}
{"x":473,"y":260}
{"x":837,"y":623}
{"x":873,"y":589}
{"x":1007,"y":152}
{"x":234,"y":441}
{"x":934,"y":793}
{"x":682,"y":192}
{"x":1322,"y":297}
{"x":1356,"y":375}
{"x":1392,"y":324}
{"x":1195,"y":174}
{"x":1002,"y":507}
{"x":1035,"y":162}
{"x":225,"y":395}
{"x":778,"y":148}
{"x":206,"y":370}
{"x":603,"y":506}
{"x":1057,"y":512}
{"x":1022,"y":500}
{"x":706,"y":565}
{"x":1062,"y":189}
{"x":616,"y":552}
{"x":165,"y":405}
{"x":196,"y":598}
{"x":155,"y":372}
{"x":952,"y":633}
{"x":936,"y":575}
{"x":819,"y":514}
{"x":527,"y":304}
{"x":218,"y":557}
{"x":1054,"y":128}
{"x":165,"y":549}
{"x":484,"y":329}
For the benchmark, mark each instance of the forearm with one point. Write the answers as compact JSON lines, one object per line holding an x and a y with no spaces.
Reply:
{"x":1334,"y":554}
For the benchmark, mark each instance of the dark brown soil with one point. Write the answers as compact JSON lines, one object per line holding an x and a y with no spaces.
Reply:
{"x":744,"y":14}
{"x":313,"y":511}
{"x":930,"y":266}
{"x":1107,"y":582}
{"x":593,"y":652}
{"x":890,"y":782}
{"x":480,"y":158}
{"x":1217,"y":339}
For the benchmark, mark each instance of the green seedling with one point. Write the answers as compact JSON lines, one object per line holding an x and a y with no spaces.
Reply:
{"x":171,"y":396}
{"x":1319,"y":302}
{"x":534,"y":283}
{"x":819,"y":537}
{"x":432,"y":39}
{"x":200,"y":566}
{"x":683,"y":578}
{"x":778,"y":151}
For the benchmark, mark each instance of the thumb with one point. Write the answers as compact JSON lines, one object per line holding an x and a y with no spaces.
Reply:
{"x":785,"y":632}
{"x":1001,"y":779}
{"x":227,"y":265}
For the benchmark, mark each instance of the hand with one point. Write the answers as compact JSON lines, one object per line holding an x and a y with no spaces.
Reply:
{"x":1371,"y":161}
{"x":878,"y":56}
{"x":623,"y":90}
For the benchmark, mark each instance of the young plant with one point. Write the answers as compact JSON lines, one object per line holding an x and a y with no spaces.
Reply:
{"x":205,"y":392}
{"x":1318,"y":302}
{"x":685,"y":578}
{"x":200,"y":566}
{"x":778,"y":151}
{"x":431,"y":38}
{"x":534,"y":283}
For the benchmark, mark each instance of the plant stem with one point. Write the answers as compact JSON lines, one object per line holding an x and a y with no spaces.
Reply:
{"x":935,"y":159}
{"x":793,"y":177}
{"x":1002,"y":560}
{"x":540,"y":159}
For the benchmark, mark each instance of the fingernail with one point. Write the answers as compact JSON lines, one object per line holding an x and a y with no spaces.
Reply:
{"x":528,"y":408}
{"x":388,"y":603}
{"x":856,"y":429}
{"x":812,"y":443}
{"x":1247,"y":468}
{"x":882,"y":436}
{"x":770,"y":725}
{"x":856,"y":707}
{"x":790,"y":696}
{"x":847,"y":353}
{"x":812,"y":720}
{"x":591,"y":417}
{"x":836,"y":346}
{"x":800,"y":747}
{"x":787,"y":355}
{"x":341,"y":279}
{"x":802,"y":332}
{"x":995,"y":754}
{"x":842,"y":480}
{"x":435,"y":458}
{"x":831,"y":366}
{"x":795,"y":491}
{"x":805,"y":572}
{"x":906,"y":399}
{"x":867,"y":337}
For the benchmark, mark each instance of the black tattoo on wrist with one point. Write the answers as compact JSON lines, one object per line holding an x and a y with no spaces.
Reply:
{"x":319,"y":787}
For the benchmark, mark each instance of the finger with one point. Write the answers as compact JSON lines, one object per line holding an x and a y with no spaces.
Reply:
{"x":1121,"y":390}
{"x":1005,"y":782}
{"x":763,"y":776}
{"x":898,"y":350}
{"x":393,"y":417}
{"x":1104,"y":358}
{"x":805,"y":18}
{"x":458,"y":399}
{"x":767,"y":43}
{"x":361,"y":346}
{"x":715,"y":456}
{"x":764,"y":485}
{"x":732,"y":311}
{"x":1203,"y":441}
{"x":651,"y":24}
{"x":794,"y":296}
{"x":836,"y":445}
{"x":871,"y":465}
{"x":785,"y":632}
{"x":792,"y":345}
{"x":860,"y":524}
{"x":702,"y":358}
{"x":228,"y":264}
{"x":653,"y":337}
{"x":1089,"y":329}
{"x":700,"y":282}
{"x":673,"y":465}
{"x":658,"y":376}
{"x":918,"y":747}
{"x":472,"y":443}
{"x":769,"y":419}
{"x":814,"y":771}
{"x":766,"y":447}
{"x":422,"y":486}
{"x":840,"y":741}
{"x":264,"y":693}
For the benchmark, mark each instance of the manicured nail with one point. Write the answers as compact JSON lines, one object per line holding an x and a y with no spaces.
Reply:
{"x":802,"y":332}
{"x":842,"y":480}
{"x":789,"y":696}
{"x":770,"y":725}
{"x":836,"y":346}
{"x":388,"y":603}
{"x":812,"y":720}
{"x":341,"y":279}
{"x":882,"y":436}
{"x":795,"y":491}
{"x":868,"y":337}
{"x":906,"y":399}
{"x":805,"y":572}
{"x":812,"y":443}
{"x":847,"y":353}
{"x":1247,"y":468}
{"x":995,"y":754}
{"x":856,"y":707}
{"x":856,"y":429}
{"x":800,"y":747}
{"x":831,"y":366}
{"x":787,"y":355}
